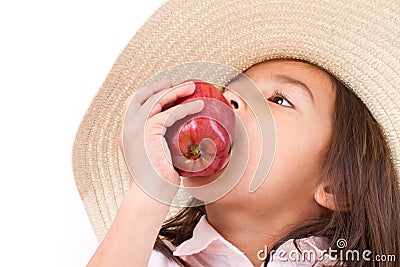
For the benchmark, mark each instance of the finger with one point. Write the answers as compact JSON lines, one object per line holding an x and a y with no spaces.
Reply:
{"x":167,"y":152}
{"x":179,"y":91}
{"x":168,"y":117}
{"x":181,"y":111}
{"x":141,"y":96}
{"x":147,"y":91}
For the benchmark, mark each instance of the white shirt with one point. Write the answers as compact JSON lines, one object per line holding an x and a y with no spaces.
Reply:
{"x":208,"y":248}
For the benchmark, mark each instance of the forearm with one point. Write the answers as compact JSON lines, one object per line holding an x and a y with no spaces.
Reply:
{"x":132,"y":235}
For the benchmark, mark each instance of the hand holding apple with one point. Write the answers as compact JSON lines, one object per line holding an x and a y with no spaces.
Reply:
{"x":200,"y":144}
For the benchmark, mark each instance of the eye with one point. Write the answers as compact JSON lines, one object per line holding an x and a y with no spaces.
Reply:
{"x":281,"y":99}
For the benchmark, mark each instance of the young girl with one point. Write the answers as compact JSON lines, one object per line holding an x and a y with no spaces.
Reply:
{"x":331,"y":197}
{"x":324,"y":182}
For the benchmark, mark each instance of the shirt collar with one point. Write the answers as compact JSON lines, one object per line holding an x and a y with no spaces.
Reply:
{"x":205,"y":238}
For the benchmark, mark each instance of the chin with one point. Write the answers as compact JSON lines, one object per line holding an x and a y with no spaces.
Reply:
{"x":196,"y":181}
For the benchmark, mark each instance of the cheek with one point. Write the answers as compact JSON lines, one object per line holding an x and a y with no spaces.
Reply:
{"x":299,"y":146}
{"x":255,"y":142}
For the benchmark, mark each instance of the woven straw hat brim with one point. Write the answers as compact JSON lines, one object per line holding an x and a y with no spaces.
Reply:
{"x":357,"y":41}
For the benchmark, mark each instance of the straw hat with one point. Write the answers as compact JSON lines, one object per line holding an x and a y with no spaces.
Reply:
{"x":357,"y":41}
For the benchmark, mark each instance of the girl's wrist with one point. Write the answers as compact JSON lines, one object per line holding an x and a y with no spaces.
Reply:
{"x":158,"y":191}
{"x":161,"y":195}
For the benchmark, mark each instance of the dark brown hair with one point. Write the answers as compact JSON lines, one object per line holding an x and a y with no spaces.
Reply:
{"x":363,"y":179}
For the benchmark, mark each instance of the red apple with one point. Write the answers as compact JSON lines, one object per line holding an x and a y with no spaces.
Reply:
{"x":200,"y":144}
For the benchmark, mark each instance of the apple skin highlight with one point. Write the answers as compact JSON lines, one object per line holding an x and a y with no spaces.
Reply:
{"x":200,"y":144}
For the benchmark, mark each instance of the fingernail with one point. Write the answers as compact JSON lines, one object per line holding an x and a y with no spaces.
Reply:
{"x":199,"y":102}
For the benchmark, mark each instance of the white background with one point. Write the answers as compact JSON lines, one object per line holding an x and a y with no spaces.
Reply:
{"x":54,"y":56}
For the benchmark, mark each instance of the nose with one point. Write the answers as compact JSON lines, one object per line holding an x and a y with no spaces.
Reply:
{"x":234,"y":99}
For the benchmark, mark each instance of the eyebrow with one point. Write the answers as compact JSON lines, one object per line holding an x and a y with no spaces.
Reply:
{"x":286,"y":79}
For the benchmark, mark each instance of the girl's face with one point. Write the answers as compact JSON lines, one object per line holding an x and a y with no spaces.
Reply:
{"x":303,"y":127}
